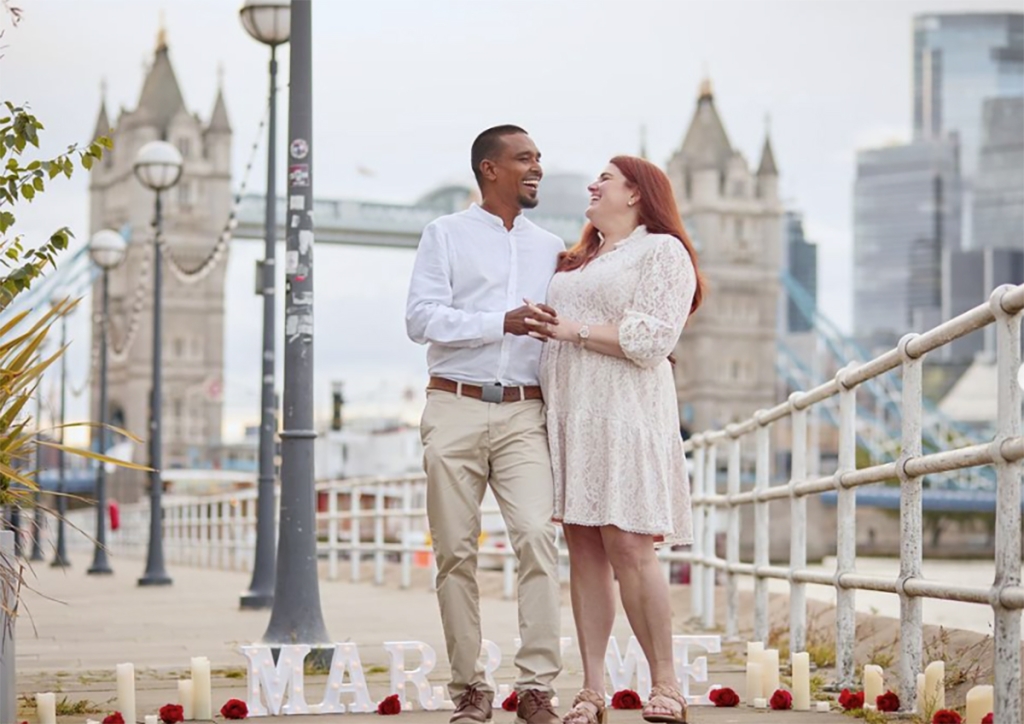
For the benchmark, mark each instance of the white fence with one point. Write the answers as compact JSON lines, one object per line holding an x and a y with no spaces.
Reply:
{"x":384,"y":518}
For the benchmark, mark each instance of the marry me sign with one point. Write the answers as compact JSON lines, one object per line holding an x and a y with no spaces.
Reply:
{"x":279,"y":689}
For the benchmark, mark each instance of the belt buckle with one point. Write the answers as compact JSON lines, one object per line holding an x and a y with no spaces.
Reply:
{"x":492,"y":393}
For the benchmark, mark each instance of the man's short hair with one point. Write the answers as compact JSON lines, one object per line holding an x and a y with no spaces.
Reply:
{"x":487,"y":145}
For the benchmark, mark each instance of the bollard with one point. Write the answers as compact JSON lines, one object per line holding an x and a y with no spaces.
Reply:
{"x":8,"y":613}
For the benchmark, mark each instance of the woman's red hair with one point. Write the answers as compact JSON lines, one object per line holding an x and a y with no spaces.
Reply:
{"x":657,"y":211}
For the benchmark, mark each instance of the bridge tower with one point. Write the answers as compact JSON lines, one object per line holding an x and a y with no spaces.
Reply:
{"x":726,"y":358}
{"x":195,"y":215}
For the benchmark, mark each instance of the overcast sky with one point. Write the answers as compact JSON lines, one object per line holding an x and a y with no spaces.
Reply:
{"x":402,"y":86}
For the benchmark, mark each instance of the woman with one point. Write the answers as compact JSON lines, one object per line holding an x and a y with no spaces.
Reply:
{"x":622,"y":296}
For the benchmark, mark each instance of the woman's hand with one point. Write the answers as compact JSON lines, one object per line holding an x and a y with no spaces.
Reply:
{"x":561,"y":330}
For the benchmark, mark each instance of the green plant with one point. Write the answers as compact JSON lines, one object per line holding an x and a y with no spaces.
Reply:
{"x":82,"y":706}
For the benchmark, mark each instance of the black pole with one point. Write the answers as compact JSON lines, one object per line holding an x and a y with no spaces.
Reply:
{"x":155,"y":574}
{"x":37,"y":513}
{"x":297,"y":616}
{"x":261,"y":589}
{"x":60,"y":558}
{"x":100,"y":564}
{"x":15,"y":527}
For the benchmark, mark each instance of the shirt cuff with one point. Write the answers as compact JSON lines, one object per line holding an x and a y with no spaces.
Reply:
{"x":492,"y":327}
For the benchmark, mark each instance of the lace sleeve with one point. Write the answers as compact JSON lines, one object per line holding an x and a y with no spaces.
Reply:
{"x":655,"y":318}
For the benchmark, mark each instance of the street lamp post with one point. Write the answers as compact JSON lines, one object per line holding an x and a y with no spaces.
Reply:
{"x":158,"y":167}
{"x":37,"y":512}
{"x":268,"y":21}
{"x":60,"y":556}
{"x":107,"y":249}
{"x":297,"y":615}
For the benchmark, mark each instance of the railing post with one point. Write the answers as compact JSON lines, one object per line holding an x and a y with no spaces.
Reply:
{"x":846,"y":533}
{"x":732,"y":543}
{"x":332,"y":531}
{"x":356,"y":554}
{"x":697,"y":549}
{"x":222,"y":539}
{"x":911,"y":645}
{"x":405,"y":528}
{"x":761,"y":540}
{"x":378,"y":536}
{"x":710,"y":572}
{"x":8,"y":615}
{"x":798,"y":530}
{"x":1008,"y":518}
{"x":207,"y":540}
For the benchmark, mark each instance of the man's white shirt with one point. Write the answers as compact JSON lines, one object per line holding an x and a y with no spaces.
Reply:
{"x":469,"y":271}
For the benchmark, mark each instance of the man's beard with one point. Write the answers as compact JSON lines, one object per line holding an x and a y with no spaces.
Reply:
{"x":528,"y":202}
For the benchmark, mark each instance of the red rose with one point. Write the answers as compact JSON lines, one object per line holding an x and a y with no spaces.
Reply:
{"x":391,"y":705}
{"x":626,"y":699}
{"x":114,"y":718}
{"x":946,"y":716}
{"x":234,"y":709}
{"x":781,"y":699}
{"x":511,"y":702}
{"x":888,"y":701}
{"x":990,"y":718}
{"x":172,"y":713}
{"x":851,"y":701}
{"x":724,"y":697}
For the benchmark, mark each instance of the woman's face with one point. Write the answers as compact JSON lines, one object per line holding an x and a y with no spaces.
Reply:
{"x":610,"y":196}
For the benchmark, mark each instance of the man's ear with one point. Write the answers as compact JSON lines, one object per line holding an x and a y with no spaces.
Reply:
{"x":488,"y":170}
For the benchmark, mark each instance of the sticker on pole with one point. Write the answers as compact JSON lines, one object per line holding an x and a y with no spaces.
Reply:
{"x":299,"y":148}
{"x":298,"y":174}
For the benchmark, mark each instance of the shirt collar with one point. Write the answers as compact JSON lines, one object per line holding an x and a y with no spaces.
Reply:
{"x":488,"y":218}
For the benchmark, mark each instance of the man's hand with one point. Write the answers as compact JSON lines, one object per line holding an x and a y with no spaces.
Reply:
{"x":515,"y":320}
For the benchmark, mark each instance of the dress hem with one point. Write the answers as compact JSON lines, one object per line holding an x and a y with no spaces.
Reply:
{"x":666,"y":538}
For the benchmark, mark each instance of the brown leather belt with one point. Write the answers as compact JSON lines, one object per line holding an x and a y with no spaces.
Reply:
{"x":487,"y":393}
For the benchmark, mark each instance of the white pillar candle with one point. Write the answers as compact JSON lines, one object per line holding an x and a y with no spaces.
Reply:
{"x":754,"y":651}
{"x":760,"y":703}
{"x":935,"y":686}
{"x":151,"y":719}
{"x":769,"y":672}
{"x":873,"y":687}
{"x":46,"y":708}
{"x":920,"y":694}
{"x":802,"y":681}
{"x":754,"y":682}
{"x":824,"y":707}
{"x":126,"y":692}
{"x":201,"y":694}
{"x":186,"y":698}
{"x":979,"y":703}
{"x":870,"y":707}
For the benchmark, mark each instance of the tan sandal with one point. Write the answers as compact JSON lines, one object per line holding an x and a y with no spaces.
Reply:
{"x":667,"y":699}
{"x":587,"y":708}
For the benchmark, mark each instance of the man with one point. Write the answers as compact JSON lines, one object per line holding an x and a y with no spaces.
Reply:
{"x":484,"y":418}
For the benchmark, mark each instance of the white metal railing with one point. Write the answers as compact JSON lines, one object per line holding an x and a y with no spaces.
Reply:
{"x":1005,"y":452}
{"x":377,"y":518}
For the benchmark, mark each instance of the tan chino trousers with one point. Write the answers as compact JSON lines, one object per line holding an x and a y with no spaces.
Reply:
{"x":468,"y":443}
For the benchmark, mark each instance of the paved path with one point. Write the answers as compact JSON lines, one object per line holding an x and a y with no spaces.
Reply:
{"x":75,"y":628}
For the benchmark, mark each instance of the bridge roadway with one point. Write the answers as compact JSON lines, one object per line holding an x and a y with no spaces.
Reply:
{"x":371,"y":223}
{"x":75,"y":628}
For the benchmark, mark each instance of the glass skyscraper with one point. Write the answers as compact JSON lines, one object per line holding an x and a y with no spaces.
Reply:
{"x":960,"y":62}
{"x":906,"y":213}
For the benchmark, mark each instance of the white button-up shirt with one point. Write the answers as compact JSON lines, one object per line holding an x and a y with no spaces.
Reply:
{"x":469,"y":271}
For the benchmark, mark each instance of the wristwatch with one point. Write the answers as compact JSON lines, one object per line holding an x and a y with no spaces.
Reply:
{"x":583,"y":334}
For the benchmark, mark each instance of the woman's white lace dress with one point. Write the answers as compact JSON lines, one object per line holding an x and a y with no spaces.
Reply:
{"x":613,"y":424}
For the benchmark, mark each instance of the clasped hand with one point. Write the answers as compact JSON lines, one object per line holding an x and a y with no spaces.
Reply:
{"x":544,"y":324}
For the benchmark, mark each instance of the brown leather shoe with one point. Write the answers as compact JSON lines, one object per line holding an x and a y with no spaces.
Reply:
{"x":535,"y":708}
{"x":473,"y":707}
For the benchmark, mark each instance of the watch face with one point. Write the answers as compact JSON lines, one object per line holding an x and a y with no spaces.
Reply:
{"x":584,"y":332}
